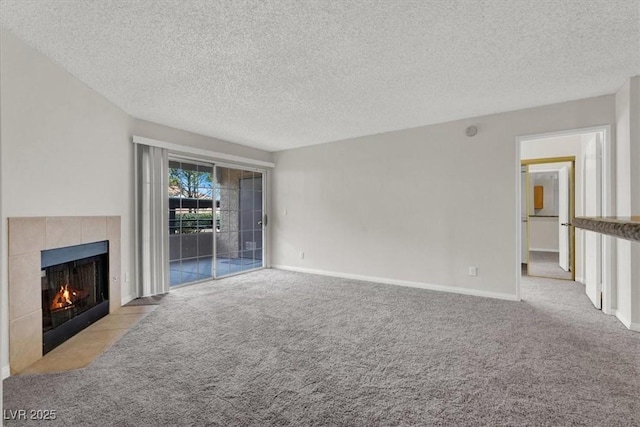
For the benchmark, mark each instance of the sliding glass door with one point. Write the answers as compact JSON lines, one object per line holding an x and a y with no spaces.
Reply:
{"x":239,"y":220}
{"x":191,"y":229}
{"x":215,"y":221}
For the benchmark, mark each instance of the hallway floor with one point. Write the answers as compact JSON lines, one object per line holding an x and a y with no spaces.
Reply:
{"x":546,"y":264}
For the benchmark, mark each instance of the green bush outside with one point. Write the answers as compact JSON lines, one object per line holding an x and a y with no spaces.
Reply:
{"x":194,"y":222}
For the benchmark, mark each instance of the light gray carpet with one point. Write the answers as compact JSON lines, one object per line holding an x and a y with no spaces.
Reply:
{"x":281,"y":348}
{"x":546,"y":264}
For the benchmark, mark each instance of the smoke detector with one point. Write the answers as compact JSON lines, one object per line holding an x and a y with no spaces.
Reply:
{"x":471,"y":131}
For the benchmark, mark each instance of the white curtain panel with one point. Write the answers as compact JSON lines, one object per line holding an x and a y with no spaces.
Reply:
{"x":152,"y":220}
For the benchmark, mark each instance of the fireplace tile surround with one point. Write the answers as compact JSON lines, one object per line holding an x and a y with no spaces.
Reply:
{"x":28,"y":236}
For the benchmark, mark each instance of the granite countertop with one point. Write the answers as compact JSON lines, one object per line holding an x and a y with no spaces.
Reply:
{"x":625,"y":227}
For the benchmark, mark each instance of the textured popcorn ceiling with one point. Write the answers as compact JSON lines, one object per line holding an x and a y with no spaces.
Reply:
{"x":284,"y":74}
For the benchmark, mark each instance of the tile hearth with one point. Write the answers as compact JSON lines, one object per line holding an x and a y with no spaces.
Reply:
{"x":79,"y":351}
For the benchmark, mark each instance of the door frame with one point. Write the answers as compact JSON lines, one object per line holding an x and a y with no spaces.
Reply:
{"x":265,"y":188}
{"x":572,"y":207}
{"x":608,"y":206}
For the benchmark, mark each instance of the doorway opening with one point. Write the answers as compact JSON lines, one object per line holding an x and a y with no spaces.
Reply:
{"x":548,"y":201}
{"x":552,"y":168}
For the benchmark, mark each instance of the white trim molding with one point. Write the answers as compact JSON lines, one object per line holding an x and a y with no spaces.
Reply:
{"x":214,"y":155}
{"x":6,"y":372}
{"x":626,"y":322}
{"x":621,"y":318}
{"x":409,"y":284}
{"x":567,"y":132}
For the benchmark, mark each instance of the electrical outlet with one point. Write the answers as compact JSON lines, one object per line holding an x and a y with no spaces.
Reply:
{"x":285,"y":212}
{"x":302,"y":255}
{"x":473,"y":270}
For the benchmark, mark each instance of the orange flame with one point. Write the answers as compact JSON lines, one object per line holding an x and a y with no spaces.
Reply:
{"x":62,"y":298}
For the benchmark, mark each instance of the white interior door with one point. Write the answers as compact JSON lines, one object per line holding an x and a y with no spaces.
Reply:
{"x":564,"y":216}
{"x":593,"y":207}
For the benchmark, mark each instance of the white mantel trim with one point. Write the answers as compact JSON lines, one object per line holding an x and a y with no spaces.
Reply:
{"x":200,"y":152}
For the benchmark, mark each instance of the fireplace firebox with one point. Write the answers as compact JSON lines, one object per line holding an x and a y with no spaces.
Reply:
{"x":75,"y":290}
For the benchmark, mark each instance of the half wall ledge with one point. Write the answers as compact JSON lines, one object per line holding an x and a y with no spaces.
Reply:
{"x":623,"y":227}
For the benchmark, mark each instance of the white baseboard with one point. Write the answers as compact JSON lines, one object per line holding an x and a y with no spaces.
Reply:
{"x":627,"y":323}
{"x":428,"y":286}
{"x":544,"y":250}
{"x":621,"y":318}
{"x":6,"y":371}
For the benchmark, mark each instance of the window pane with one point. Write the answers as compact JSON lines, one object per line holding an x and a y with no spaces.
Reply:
{"x":191,"y":221}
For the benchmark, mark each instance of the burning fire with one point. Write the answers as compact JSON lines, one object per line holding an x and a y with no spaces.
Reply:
{"x":64,"y":298}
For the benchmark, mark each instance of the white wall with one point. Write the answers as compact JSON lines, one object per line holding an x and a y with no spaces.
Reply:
{"x":65,"y":149}
{"x":417,"y":205}
{"x":68,"y":151}
{"x":627,"y":108}
{"x":4,"y":297}
{"x":543,"y":234}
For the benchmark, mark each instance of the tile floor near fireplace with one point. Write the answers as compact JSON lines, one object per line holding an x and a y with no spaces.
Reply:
{"x":82,"y":349}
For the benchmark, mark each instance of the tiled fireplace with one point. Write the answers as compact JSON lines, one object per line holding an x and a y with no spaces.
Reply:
{"x":82,"y":252}
{"x":75,"y":290}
